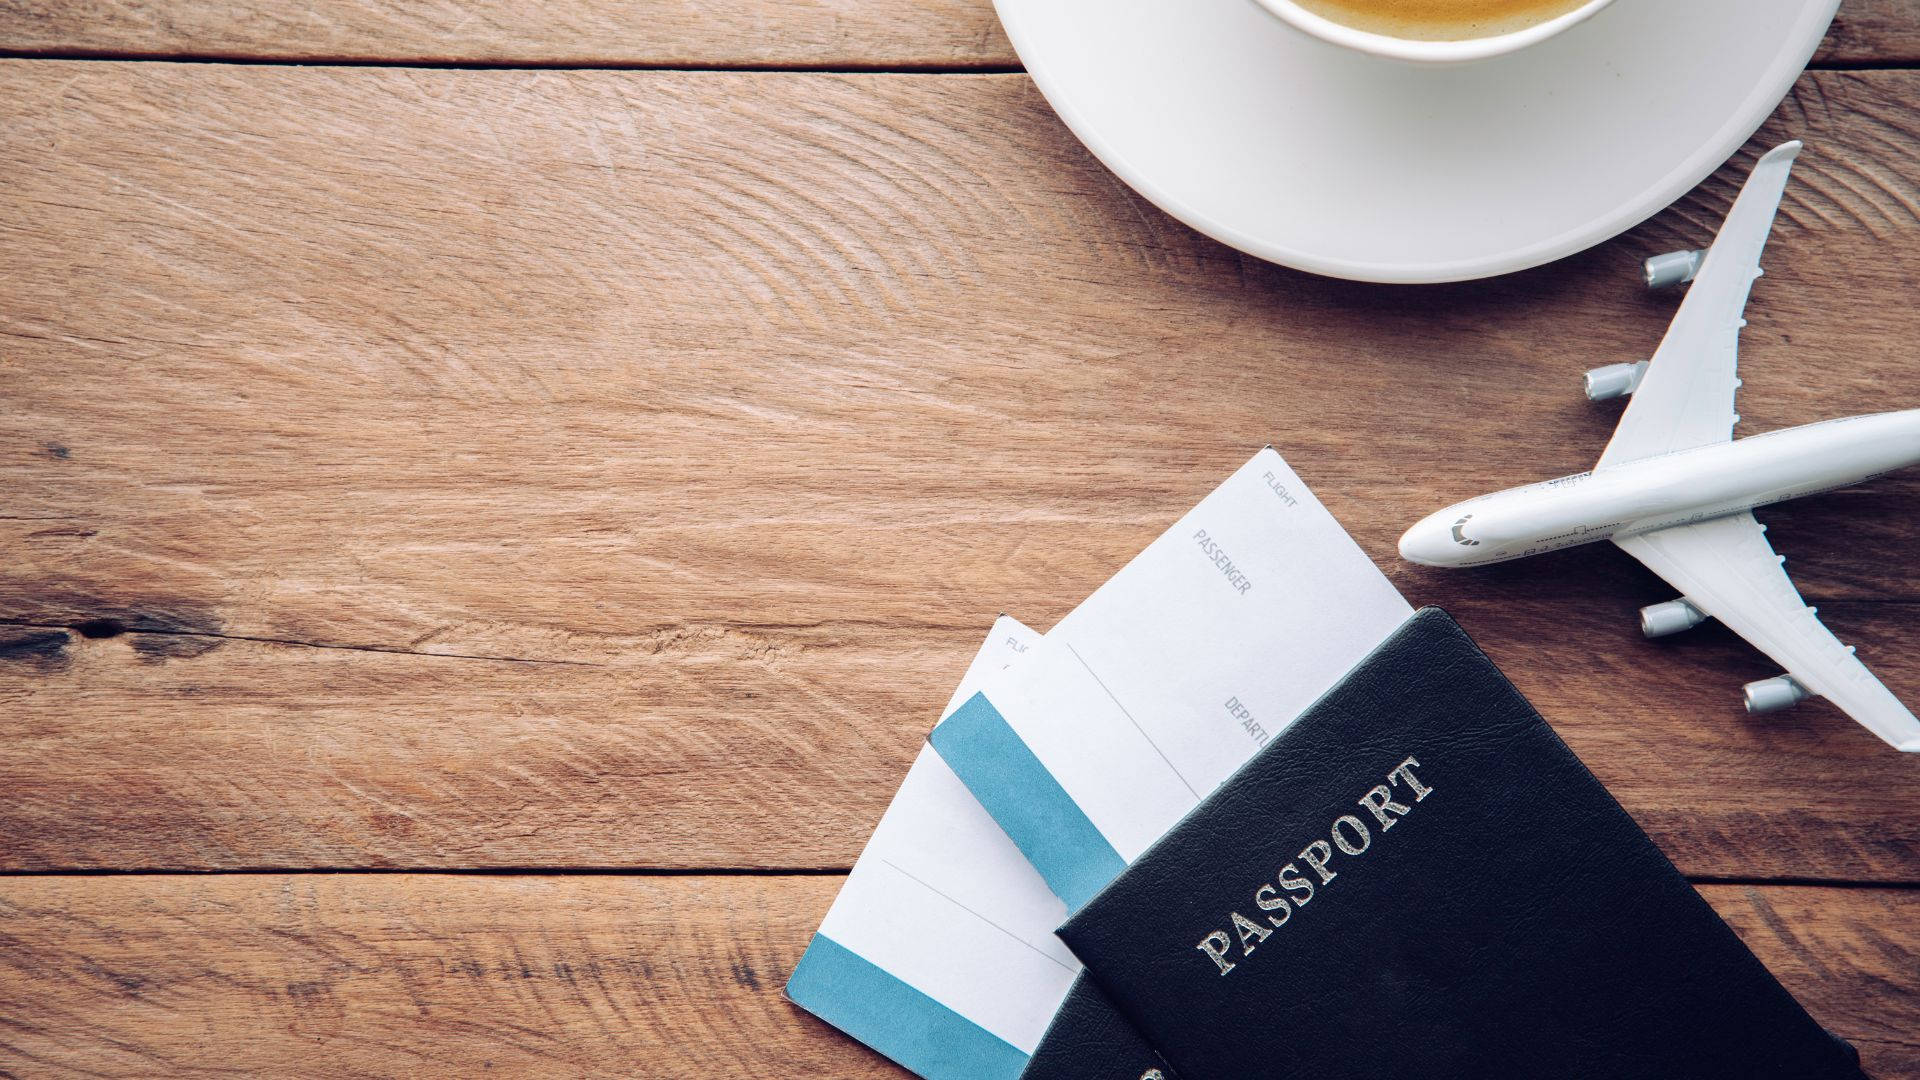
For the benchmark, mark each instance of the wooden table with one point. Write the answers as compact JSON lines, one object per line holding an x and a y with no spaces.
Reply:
{"x":489,"y":516}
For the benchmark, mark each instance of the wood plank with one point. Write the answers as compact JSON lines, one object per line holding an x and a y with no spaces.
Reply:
{"x":410,"y":975}
{"x":718,"y":747}
{"x":838,"y":34}
{"x":739,"y":403}
{"x":1871,"y":32}
{"x":957,"y":34}
{"x":1808,"y":936}
{"x":407,"y":975}
{"x":727,"y":747}
{"x":553,"y":354}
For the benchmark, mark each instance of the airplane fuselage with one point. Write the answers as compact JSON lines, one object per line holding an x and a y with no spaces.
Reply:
{"x":1671,"y":489}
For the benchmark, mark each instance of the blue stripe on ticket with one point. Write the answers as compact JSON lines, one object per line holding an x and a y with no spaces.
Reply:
{"x":858,"y":997}
{"x":1044,"y":822}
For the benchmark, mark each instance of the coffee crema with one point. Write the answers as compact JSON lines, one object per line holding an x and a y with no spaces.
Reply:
{"x":1440,"y":20}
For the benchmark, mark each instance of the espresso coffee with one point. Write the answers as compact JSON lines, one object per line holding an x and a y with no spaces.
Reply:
{"x":1440,"y":20}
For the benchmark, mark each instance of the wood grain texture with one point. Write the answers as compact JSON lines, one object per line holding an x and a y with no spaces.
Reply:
{"x":732,"y":748}
{"x":1873,"y":32}
{"x":411,"y":975}
{"x":427,"y":975}
{"x":953,"y":34}
{"x":950,"y":34}
{"x":617,"y":469}
{"x":719,"y":748}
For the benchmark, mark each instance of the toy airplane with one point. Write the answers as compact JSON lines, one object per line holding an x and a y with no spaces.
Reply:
{"x":1677,"y":492}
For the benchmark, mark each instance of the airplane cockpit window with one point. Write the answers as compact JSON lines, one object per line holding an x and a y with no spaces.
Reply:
{"x":1459,"y":535}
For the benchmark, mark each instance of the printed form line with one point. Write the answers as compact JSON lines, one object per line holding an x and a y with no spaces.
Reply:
{"x":1023,"y":941}
{"x":1129,"y":716}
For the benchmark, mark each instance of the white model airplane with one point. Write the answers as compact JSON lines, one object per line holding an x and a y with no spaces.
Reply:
{"x":1675,"y":491}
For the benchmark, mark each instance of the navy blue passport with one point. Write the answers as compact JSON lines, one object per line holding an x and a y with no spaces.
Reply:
{"x":1089,"y":1040}
{"x":1418,"y":879}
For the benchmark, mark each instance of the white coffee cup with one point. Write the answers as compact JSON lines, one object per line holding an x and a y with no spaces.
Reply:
{"x":1423,"y":51}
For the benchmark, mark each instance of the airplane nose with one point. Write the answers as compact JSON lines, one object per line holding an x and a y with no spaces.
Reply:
{"x":1413,"y":546}
{"x":1427,"y":543}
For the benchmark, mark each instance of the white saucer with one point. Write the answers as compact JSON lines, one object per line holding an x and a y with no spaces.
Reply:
{"x":1320,"y":158}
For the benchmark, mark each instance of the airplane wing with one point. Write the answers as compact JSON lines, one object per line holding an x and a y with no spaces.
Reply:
{"x":1686,"y":398}
{"x":1726,"y":568}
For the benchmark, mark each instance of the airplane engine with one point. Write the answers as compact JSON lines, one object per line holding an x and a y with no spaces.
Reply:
{"x":1673,"y":268}
{"x":1771,"y":695}
{"x":1672,"y":617}
{"x":1614,"y":380}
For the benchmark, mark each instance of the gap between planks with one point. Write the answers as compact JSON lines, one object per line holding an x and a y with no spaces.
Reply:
{"x":842,"y":68}
{"x":986,"y":68}
{"x":1698,"y":881}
